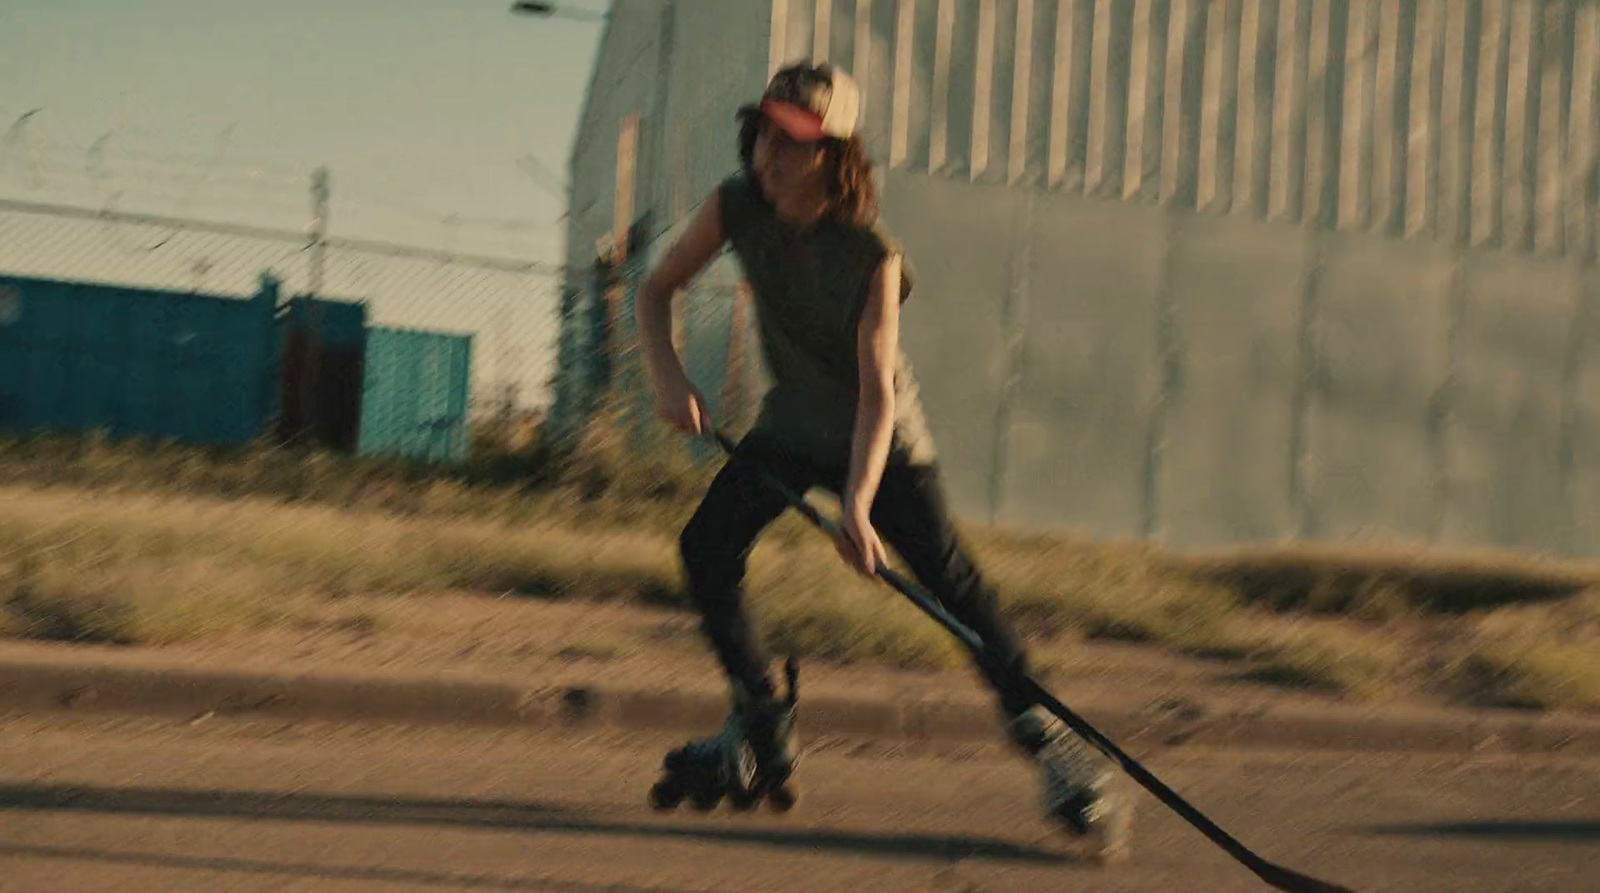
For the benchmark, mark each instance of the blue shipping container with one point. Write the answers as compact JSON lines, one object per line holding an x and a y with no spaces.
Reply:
{"x":80,"y":357}
{"x":414,"y":395}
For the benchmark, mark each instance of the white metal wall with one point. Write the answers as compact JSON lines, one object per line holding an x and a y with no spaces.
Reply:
{"x":1352,"y":352}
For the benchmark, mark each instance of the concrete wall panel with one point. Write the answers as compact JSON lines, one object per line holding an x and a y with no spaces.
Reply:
{"x":953,"y":326}
{"x":1585,"y":495}
{"x":1075,"y":453}
{"x":1382,"y":337}
{"x":1505,"y":423}
{"x":1237,"y":288}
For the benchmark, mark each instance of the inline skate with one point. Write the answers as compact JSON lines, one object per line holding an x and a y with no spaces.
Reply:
{"x":752,"y":759}
{"x":1079,"y":790}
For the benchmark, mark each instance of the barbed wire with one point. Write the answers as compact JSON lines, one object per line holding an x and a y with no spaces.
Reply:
{"x":512,"y":308}
{"x":509,"y":306}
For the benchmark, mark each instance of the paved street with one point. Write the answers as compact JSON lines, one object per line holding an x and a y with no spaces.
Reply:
{"x":224,"y":806}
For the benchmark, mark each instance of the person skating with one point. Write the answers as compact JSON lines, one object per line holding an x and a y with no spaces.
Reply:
{"x":843,"y":414}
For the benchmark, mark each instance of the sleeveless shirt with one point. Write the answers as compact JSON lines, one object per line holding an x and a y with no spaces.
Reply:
{"x":810,"y":286}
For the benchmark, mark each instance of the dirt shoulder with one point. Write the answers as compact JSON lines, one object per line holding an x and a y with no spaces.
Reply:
{"x":629,"y":645}
{"x":453,"y":657}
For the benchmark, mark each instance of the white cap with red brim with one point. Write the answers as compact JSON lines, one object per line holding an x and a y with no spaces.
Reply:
{"x":812,"y":102}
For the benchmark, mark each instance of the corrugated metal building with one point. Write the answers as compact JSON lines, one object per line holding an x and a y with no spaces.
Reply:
{"x":1207,"y":271}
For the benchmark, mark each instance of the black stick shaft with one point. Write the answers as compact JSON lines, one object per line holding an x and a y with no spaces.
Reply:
{"x":1275,"y":875}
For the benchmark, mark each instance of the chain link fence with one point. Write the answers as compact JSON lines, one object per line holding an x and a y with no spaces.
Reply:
{"x":602,"y":370}
{"x":509,"y":307}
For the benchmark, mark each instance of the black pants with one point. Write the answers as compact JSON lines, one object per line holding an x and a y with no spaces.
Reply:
{"x":910,"y":515}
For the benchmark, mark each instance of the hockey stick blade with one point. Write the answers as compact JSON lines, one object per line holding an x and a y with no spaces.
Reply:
{"x":1275,"y":875}
{"x":1293,"y":881}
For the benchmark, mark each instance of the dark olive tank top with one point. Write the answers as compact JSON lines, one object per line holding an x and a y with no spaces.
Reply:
{"x":809,"y":288}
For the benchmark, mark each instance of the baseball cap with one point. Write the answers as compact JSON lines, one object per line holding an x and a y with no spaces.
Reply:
{"x":812,"y":102}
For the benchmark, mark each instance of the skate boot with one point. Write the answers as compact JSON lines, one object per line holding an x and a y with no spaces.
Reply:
{"x":750,"y":760}
{"x":1079,"y":790}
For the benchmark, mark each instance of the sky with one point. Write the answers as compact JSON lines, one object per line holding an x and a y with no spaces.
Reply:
{"x":221,"y":110}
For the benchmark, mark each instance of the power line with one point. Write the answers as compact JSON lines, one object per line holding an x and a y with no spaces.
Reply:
{"x":391,"y":249}
{"x":283,"y":173}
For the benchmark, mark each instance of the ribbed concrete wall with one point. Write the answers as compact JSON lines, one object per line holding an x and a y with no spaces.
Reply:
{"x":1215,"y":271}
{"x":1464,"y":120}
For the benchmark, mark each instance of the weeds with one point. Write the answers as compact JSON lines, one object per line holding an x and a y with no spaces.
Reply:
{"x":139,"y":543}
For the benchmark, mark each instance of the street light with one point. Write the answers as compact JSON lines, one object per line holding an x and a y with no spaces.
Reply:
{"x":546,"y":10}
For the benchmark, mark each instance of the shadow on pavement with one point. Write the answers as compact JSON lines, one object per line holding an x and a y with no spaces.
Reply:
{"x":502,"y":815}
{"x":1507,"y":830}
{"x":322,"y":872}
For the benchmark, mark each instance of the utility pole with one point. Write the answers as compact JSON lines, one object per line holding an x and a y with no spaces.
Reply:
{"x":311,"y":339}
{"x":319,"y":229}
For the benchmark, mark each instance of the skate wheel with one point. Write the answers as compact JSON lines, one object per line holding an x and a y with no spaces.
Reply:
{"x":783,"y":798}
{"x":665,"y":797}
{"x":1111,"y":850}
{"x":1115,"y":834}
{"x":705,"y":802}
{"x":743,"y":802}
{"x":1111,"y":856}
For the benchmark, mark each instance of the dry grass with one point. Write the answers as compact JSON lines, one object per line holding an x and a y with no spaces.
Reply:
{"x":143,"y":601}
{"x":596,"y":489}
{"x":1105,"y":591}
{"x":1534,"y":675}
{"x":809,"y":604}
{"x":149,"y":545}
{"x":1331,"y":659}
{"x":1539,"y":656}
{"x":327,"y":550}
{"x":1376,"y":583}
{"x":150,"y":568}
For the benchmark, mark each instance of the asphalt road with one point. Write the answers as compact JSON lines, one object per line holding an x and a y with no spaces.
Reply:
{"x":224,"y":806}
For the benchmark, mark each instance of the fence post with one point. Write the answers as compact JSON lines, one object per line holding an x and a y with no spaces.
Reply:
{"x":630,"y":375}
{"x":319,"y":230}
{"x":602,"y":331}
{"x":310,"y":421}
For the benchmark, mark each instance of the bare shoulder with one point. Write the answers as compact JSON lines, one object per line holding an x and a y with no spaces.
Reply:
{"x":886,"y":248}
{"x":699,"y":241}
{"x":883,"y":294}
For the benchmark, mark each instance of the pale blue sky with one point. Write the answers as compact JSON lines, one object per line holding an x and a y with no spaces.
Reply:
{"x":220,"y":109}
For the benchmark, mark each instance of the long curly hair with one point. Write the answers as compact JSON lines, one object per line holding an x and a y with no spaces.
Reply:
{"x":852,"y":187}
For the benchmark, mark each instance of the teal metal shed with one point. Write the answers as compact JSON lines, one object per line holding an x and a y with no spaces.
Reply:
{"x":415,"y":395}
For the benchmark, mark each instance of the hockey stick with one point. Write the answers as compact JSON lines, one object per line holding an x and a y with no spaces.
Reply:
{"x":1276,"y":875}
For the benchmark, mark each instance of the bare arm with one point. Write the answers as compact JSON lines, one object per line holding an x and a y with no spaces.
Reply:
{"x":878,"y":344}
{"x":676,"y":399}
{"x":694,"y":248}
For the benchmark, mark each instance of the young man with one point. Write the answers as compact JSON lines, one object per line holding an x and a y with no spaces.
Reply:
{"x":843,"y":414}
